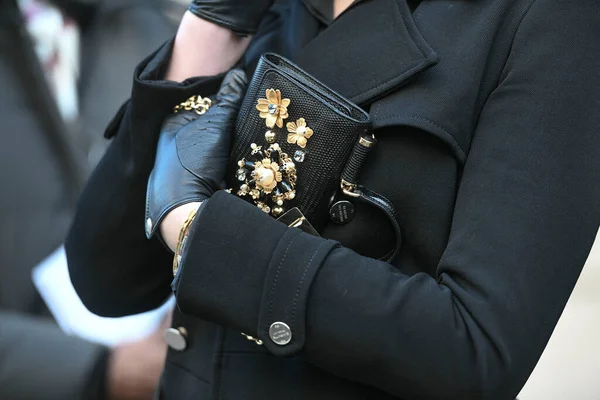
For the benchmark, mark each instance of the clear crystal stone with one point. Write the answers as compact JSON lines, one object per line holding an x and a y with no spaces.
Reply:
{"x":299,"y":156}
{"x":272,"y":108}
{"x":241,"y":174}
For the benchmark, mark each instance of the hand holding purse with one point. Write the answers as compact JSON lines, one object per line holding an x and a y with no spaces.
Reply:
{"x":193,"y":149}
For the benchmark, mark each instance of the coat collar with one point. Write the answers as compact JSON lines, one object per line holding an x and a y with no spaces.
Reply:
{"x":370,"y":50}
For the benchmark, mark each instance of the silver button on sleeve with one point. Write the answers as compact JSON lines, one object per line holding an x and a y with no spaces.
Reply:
{"x":176,"y":338}
{"x":280,"y":333}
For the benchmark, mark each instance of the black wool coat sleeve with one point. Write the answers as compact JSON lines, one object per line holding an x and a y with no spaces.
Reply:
{"x":525,"y":218}
{"x":114,"y":268}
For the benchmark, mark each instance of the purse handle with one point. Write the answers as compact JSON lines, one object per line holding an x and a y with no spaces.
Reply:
{"x":350,"y":187}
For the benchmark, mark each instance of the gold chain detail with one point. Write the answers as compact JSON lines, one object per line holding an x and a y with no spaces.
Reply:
{"x":253,"y":339}
{"x":197,"y":103}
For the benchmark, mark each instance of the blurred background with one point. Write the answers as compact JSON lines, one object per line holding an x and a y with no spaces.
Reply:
{"x":65,"y":68}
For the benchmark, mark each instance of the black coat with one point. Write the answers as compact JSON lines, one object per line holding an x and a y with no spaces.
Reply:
{"x":486,"y":114}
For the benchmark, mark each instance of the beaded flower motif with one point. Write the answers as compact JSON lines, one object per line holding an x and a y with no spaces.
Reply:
{"x":266,"y":174}
{"x":299,"y":133}
{"x":273,"y":109}
{"x":268,"y":177}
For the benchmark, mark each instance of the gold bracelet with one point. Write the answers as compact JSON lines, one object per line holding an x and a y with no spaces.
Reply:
{"x":183,"y":235}
{"x":197,"y":103}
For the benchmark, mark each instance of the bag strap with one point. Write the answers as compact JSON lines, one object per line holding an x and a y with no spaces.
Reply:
{"x":350,"y":187}
{"x":375,"y":199}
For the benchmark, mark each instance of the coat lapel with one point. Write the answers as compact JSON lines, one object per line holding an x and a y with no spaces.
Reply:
{"x":370,"y":50}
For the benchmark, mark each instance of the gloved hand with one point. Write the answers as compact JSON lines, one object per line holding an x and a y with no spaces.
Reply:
{"x":192,"y":153}
{"x":241,"y":16}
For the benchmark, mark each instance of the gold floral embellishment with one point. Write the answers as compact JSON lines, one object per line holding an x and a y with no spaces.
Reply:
{"x":269,"y":178}
{"x":266,"y":174}
{"x":273,"y":109}
{"x":299,"y":132}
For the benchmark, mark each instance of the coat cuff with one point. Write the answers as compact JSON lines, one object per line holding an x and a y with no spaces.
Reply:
{"x":247,"y":271}
{"x":153,"y":95}
{"x":149,"y":80}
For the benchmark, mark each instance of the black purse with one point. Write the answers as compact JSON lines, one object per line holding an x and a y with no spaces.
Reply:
{"x":299,"y":147}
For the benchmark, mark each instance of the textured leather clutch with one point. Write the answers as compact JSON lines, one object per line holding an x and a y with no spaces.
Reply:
{"x":293,"y":139}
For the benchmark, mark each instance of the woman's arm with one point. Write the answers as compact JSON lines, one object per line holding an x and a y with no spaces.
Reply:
{"x":114,"y":268}
{"x":525,"y":218}
{"x":189,"y":59}
{"x":203,"y":48}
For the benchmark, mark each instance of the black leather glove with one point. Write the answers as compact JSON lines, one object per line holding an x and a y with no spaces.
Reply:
{"x":241,"y":16}
{"x":192,"y":153}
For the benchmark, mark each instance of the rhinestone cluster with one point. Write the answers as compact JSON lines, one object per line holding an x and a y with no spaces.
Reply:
{"x":268,"y":178}
{"x":268,"y":175}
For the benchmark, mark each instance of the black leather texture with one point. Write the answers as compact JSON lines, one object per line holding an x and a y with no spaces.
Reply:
{"x":377,"y":200}
{"x":192,"y":153}
{"x":241,"y":16}
{"x":337,"y":124}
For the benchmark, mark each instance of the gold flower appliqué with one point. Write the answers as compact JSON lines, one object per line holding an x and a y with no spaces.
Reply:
{"x":273,"y":109}
{"x":299,"y":133}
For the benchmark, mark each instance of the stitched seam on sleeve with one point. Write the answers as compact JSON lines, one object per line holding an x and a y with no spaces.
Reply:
{"x":308,"y":264}
{"x":274,"y":286}
{"x":481,"y":103}
{"x":518,"y":28}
